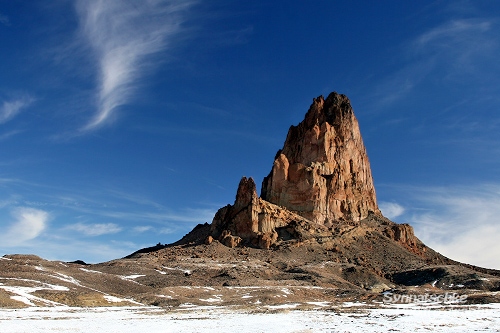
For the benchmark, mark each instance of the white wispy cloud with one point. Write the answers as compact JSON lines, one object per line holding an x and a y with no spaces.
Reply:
{"x":90,"y":250}
{"x":29,"y":224}
{"x":167,"y":231}
{"x":458,"y":46}
{"x":462,"y":223}
{"x":8,"y":135}
{"x":455,"y":31}
{"x":95,"y":229}
{"x":391,"y":209}
{"x":130,"y":207}
{"x":134,"y":198}
{"x":9,"y":109}
{"x":123,"y":36}
{"x":446,"y":51}
{"x":4,"y":19}
{"x":141,"y":229}
{"x":185,"y":215}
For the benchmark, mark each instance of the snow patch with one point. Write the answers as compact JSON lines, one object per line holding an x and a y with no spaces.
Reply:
{"x":185,"y":271}
{"x":131,"y":277}
{"x":113,"y":299}
{"x":480,"y":318}
{"x":66,"y":278}
{"x":215,"y":299}
{"x":23,"y":299}
{"x":283,"y":306}
{"x":211,"y":300}
{"x":90,"y":271}
{"x":353,"y":304}
{"x":322,"y":304}
{"x":23,"y":294}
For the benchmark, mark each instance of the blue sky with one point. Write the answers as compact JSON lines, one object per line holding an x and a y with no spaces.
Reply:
{"x":125,"y":123}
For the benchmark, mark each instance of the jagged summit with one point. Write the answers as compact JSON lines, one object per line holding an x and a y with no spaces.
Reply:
{"x":323,"y":172}
{"x":321,"y":180}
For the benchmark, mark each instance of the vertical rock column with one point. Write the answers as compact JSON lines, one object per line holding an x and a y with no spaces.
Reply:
{"x":323,"y":173}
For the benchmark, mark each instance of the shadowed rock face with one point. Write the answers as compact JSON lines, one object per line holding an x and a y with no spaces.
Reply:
{"x":323,"y":173}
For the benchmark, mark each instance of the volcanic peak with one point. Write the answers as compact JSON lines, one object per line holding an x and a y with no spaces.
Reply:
{"x":321,"y":176}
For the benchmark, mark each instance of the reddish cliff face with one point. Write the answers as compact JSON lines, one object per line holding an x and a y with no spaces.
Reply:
{"x":251,"y":220}
{"x":323,"y":173}
{"x":320,"y":183}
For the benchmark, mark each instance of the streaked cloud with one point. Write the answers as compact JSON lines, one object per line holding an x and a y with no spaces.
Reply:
{"x":91,"y":250}
{"x":29,"y":223}
{"x":141,"y":229}
{"x":10,"y":109}
{"x":124,"y":211}
{"x":123,"y":36}
{"x":458,"y":46}
{"x":95,"y":229}
{"x":462,"y":223}
{"x":4,"y":19}
{"x":448,"y":51}
{"x":181,"y":216}
{"x":167,"y":231}
{"x":8,"y":135}
{"x":454,"y":31}
{"x":391,"y":209}
{"x":134,"y":198}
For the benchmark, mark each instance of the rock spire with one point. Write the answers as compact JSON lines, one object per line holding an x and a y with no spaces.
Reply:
{"x":320,"y":182}
{"x":323,"y":173}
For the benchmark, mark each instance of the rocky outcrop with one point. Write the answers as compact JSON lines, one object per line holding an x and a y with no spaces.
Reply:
{"x":404,"y":235}
{"x":251,"y":220}
{"x":323,"y":173}
{"x":320,"y":181}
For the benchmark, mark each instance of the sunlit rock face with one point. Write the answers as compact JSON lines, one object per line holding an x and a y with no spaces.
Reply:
{"x":251,"y":220}
{"x":321,"y":179}
{"x":323,"y":173}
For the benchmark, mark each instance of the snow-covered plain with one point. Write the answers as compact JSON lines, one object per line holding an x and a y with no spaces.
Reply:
{"x":480,"y":318}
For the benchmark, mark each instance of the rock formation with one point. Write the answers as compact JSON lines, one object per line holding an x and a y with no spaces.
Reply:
{"x":321,"y":177}
{"x":323,"y":172}
{"x":317,"y":218}
{"x":250,"y":219}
